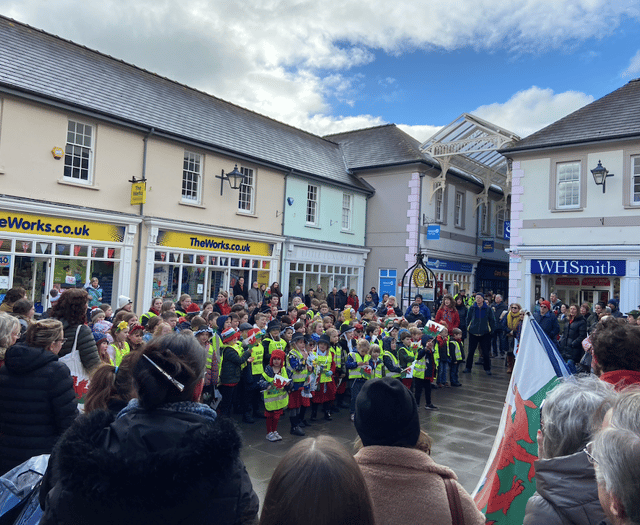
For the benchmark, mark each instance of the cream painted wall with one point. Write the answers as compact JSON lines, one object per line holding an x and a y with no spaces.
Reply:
{"x":28,"y":134}
{"x":164,"y":190}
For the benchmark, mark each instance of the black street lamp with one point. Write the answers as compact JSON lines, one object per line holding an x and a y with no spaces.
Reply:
{"x":600,"y":175}
{"x":235,"y":178}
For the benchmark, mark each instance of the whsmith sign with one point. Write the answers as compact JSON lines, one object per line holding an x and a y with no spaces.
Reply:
{"x":578,"y":267}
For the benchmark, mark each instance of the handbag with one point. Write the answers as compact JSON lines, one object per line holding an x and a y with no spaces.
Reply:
{"x":455,"y":505}
{"x":20,"y":490}
{"x":78,"y":373}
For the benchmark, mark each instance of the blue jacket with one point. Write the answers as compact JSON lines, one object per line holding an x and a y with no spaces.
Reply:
{"x":480,"y":321}
{"x":550,"y":326}
{"x":424,"y":310}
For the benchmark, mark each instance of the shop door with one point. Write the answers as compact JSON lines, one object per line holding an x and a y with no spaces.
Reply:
{"x":216,"y":283}
{"x":33,"y":274}
{"x":594,"y":296}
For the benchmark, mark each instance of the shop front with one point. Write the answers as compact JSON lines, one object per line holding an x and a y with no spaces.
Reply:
{"x":56,"y":247}
{"x":576,"y":281}
{"x":452,"y":276}
{"x":493,"y":276}
{"x":330,"y":266}
{"x":200,"y":263}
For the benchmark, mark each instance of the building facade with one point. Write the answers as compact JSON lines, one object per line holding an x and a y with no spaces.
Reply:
{"x":570,"y":235}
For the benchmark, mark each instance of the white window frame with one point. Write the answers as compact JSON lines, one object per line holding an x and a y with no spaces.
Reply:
{"x":501,"y":215}
{"x":247,"y":192}
{"x":347,"y":212}
{"x":459,"y":209}
{"x":75,"y":148}
{"x":634,"y":173}
{"x":485,"y":213}
{"x":572,"y":185}
{"x":439,"y":205}
{"x":313,"y":201}
{"x":191,"y":169}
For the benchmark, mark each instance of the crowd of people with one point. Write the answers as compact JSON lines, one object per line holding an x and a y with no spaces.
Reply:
{"x":157,"y":436}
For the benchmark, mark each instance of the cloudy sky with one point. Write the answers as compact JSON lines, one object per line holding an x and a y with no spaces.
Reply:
{"x":334,"y":65}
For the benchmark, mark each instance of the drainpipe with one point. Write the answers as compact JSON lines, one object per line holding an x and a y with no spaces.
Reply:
{"x":284,"y":207}
{"x":144,"y":178}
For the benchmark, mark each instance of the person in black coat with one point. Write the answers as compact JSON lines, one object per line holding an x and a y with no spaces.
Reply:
{"x":574,"y":333}
{"x":462,"y":314}
{"x":37,"y":400}
{"x":240,"y":289}
{"x":164,"y":459}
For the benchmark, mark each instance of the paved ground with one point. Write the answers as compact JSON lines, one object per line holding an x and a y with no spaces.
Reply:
{"x":463,"y":429}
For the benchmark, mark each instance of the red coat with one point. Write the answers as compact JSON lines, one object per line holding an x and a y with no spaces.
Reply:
{"x":353,"y":301}
{"x":448,"y":317}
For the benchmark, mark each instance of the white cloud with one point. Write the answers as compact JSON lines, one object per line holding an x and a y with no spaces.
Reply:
{"x":289,"y":59}
{"x":634,"y":66}
{"x":420,"y":133}
{"x":532,"y":109}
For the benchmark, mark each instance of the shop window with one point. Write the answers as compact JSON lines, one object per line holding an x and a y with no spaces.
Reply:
{"x":191,"y":177}
{"x":5,"y":245}
{"x":80,"y":250}
{"x":347,"y":211}
{"x":44,"y":248}
{"x":78,"y":156}
{"x":23,"y":246}
{"x":247,"y":191}
{"x":312,"y":205}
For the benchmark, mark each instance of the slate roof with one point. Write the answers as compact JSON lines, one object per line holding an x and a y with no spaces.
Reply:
{"x":614,"y":116}
{"x":379,"y":146}
{"x":57,"y":70}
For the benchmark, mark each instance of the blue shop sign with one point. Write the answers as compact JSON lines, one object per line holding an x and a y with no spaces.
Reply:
{"x":433,"y":232}
{"x":487,"y":246}
{"x":506,"y":234}
{"x":449,"y":266}
{"x":578,"y":267}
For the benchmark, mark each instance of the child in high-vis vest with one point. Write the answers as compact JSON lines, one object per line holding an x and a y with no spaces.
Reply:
{"x":444,"y":359}
{"x":426,"y":365}
{"x":212,"y":370}
{"x":234,"y":359}
{"x":376,"y":364}
{"x":406,"y":355}
{"x":339,"y":377}
{"x":325,"y":391}
{"x":276,"y":396}
{"x":252,"y":375}
{"x":390,"y":358}
{"x":297,"y":364}
{"x":455,"y":355}
{"x":356,"y":361}
{"x":119,"y":348}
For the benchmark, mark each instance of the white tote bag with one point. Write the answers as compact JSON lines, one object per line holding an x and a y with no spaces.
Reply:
{"x":78,"y":373}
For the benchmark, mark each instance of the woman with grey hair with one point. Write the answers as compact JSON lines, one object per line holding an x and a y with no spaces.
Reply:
{"x":565,"y":479}
{"x":9,"y":333}
{"x":615,"y":452}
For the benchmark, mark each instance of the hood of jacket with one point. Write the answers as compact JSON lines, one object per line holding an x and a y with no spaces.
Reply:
{"x":569,"y":484}
{"x":22,"y":359}
{"x":145,"y":457}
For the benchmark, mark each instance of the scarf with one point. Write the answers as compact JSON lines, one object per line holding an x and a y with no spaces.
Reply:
{"x":512,"y":320}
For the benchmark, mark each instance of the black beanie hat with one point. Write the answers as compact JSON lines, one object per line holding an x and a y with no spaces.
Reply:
{"x":387,"y":414}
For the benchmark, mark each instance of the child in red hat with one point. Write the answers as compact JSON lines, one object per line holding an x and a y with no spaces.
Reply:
{"x":276,"y":385}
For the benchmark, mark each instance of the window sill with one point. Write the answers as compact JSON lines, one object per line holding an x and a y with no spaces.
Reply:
{"x":347,"y":232}
{"x":459,"y":227}
{"x":246,"y":214}
{"x":65,"y":182}
{"x":631,"y":206}
{"x":192,"y":205}
{"x":315,"y":226}
{"x":565,"y":210}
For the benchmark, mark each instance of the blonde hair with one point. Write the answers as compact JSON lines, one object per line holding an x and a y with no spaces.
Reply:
{"x":8,"y":324}
{"x":363,"y":344}
{"x":44,"y":333}
{"x":415,"y":331}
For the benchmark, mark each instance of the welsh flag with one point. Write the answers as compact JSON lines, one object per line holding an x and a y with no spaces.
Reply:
{"x":507,"y":482}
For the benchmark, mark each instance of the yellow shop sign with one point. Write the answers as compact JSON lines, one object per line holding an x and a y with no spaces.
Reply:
{"x":139,"y":193}
{"x":59,"y":227}
{"x":191,"y":241}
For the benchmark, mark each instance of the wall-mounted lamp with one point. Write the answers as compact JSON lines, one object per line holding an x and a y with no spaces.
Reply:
{"x":278,"y":213}
{"x":600,"y":175}
{"x":234,"y":177}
